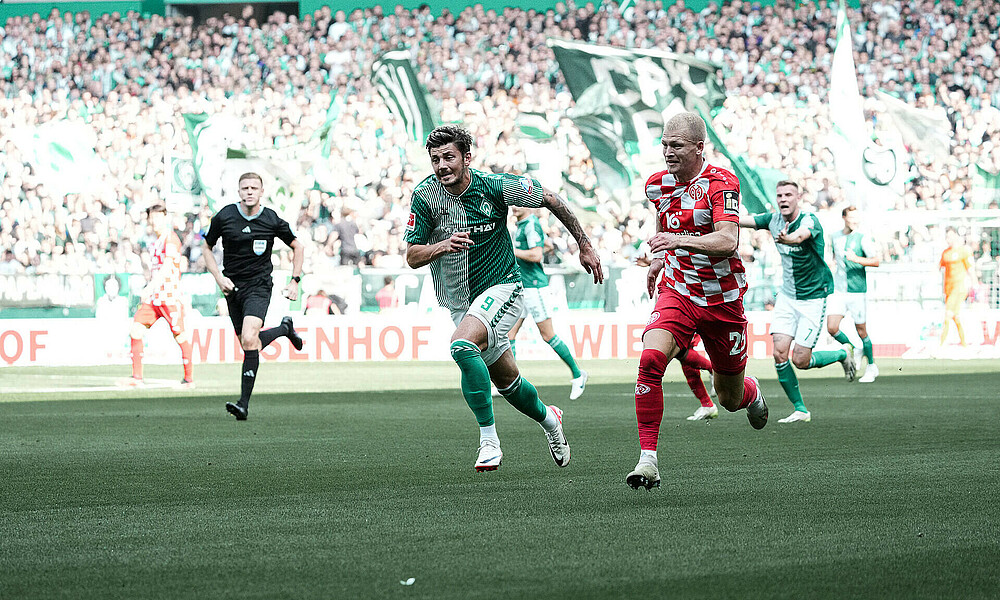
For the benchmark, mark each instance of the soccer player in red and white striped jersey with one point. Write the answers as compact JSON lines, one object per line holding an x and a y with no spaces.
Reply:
{"x":161,"y":298}
{"x":701,"y":288}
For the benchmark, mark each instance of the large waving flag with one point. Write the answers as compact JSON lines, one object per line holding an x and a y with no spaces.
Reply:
{"x":621,"y":97}
{"x":869,"y":173}
{"x":923,"y":129}
{"x":397,"y":83}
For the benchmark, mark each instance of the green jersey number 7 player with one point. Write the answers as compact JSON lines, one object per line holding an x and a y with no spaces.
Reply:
{"x":458,"y":226}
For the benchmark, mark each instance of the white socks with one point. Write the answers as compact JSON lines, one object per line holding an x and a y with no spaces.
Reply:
{"x":489,"y":433}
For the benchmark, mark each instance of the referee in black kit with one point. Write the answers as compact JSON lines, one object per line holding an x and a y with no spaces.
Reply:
{"x":248,"y":231}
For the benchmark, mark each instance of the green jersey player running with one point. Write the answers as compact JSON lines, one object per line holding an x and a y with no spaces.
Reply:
{"x":853,"y":253}
{"x":806,"y":283}
{"x":529,"y":243}
{"x":458,"y":225}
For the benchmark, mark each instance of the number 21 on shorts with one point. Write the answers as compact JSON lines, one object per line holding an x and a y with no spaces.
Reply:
{"x":739,"y":343}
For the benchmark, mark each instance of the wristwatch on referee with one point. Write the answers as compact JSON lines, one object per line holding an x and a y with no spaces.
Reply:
{"x":296,"y":278}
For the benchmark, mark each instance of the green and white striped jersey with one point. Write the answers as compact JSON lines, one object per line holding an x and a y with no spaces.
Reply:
{"x":804,"y":273}
{"x":481,"y":210}
{"x":529,"y":235}
{"x":849,"y":276}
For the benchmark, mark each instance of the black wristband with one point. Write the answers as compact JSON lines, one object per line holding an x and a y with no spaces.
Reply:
{"x":296,"y":279}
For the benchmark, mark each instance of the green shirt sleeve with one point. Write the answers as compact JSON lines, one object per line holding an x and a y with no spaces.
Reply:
{"x":762,"y":220}
{"x":521,"y":190}
{"x":419,"y":225}
{"x":814,"y":226}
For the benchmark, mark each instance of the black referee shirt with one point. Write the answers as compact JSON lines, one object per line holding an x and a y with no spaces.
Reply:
{"x":247,"y":243}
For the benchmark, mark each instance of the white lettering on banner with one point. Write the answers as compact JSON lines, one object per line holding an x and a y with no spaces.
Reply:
{"x":425,"y":336}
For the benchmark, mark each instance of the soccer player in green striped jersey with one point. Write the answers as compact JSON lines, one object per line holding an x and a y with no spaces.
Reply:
{"x":529,"y":243}
{"x":853,"y":253}
{"x":806,"y":283}
{"x":458,"y":226}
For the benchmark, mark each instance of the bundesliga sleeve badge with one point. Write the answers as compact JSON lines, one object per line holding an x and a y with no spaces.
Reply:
{"x":731,"y":201}
{"x":411,"y":223}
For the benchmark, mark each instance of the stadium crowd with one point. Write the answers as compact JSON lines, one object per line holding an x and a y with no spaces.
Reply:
{"x":131,"y":78}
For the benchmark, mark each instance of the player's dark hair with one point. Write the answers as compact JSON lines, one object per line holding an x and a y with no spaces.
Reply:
{"x":784,"y":182}
{"x":250,"y":176}
{"x":850,"y":208}
{"x":158,"y":207}
{"x":450,"y":134}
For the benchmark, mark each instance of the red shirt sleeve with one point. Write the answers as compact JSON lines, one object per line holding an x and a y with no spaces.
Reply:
{"x":724,"y":196}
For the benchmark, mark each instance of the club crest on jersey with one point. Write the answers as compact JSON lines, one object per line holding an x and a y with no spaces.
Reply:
{"x":653,"y":317}
{"x":259,"y":246}
{"x":485,"y":207}
{"x":731,"y":201}
{"x":696,"y":192}
{"x":411,"y":223}
{"x":527,"y":185}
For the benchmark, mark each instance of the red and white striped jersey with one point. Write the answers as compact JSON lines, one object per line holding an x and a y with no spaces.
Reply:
{"x":693,"y":208}
{"x":167,"y":265}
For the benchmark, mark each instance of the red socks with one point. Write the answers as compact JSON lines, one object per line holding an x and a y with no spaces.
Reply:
{"x":186,"y":352}
{"x":649,"y":397}
{"x":696,"y":360}
{"x":136,"y":358}
{"x":749,"y":392}
{"x":693,"y":377}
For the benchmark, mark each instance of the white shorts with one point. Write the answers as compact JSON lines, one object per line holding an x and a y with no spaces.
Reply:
{"x":800,"y":319}
{"x":498,"y":308}
{"x":850,"y":304}
{"x":535,"y":305}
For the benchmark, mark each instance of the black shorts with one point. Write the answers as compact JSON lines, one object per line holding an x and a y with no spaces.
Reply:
{"x":248,"y":300}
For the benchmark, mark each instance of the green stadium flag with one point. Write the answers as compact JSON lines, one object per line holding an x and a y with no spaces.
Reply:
{"x":397,"y":83}
{"x":757,"y":186}
{"x":210,"y":137}
{"x":622,"y":97}
{"x":62,"y":155}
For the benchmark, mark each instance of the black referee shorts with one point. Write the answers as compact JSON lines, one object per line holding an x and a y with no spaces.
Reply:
{"x":248,"y":300}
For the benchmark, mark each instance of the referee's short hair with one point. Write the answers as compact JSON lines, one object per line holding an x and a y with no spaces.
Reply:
{"x":250,"y":175}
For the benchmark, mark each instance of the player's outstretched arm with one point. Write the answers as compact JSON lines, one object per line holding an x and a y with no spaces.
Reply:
{"x":794,"y":239}
{"x":588,"y":256}
{"x":418,"y":255}
{"x":748,"y":221}
{"x":225,"y":283}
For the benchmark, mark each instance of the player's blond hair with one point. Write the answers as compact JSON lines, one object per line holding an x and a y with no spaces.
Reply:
{"x":689,"y":124}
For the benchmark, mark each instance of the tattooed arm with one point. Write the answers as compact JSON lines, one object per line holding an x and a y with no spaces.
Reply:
{"x":588,"y":257}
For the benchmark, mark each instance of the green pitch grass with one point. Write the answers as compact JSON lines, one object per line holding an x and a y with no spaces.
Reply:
{"x":350,"y":479}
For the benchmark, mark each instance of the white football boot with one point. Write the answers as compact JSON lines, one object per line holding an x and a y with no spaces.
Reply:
{"x":489,"y":455}
{"x":870,"y":374}
{"x":644,"y":475}
{"x":704,"y":413}
{"x":850,"y":366}
{"x":578,"y":386}
{"x":797,"y":416}
{"x":757,"y":410}
{"x":558,"y":445}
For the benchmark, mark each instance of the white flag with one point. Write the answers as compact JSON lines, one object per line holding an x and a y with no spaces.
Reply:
{"x":923,"y":129}
{"x":868,"y":173}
